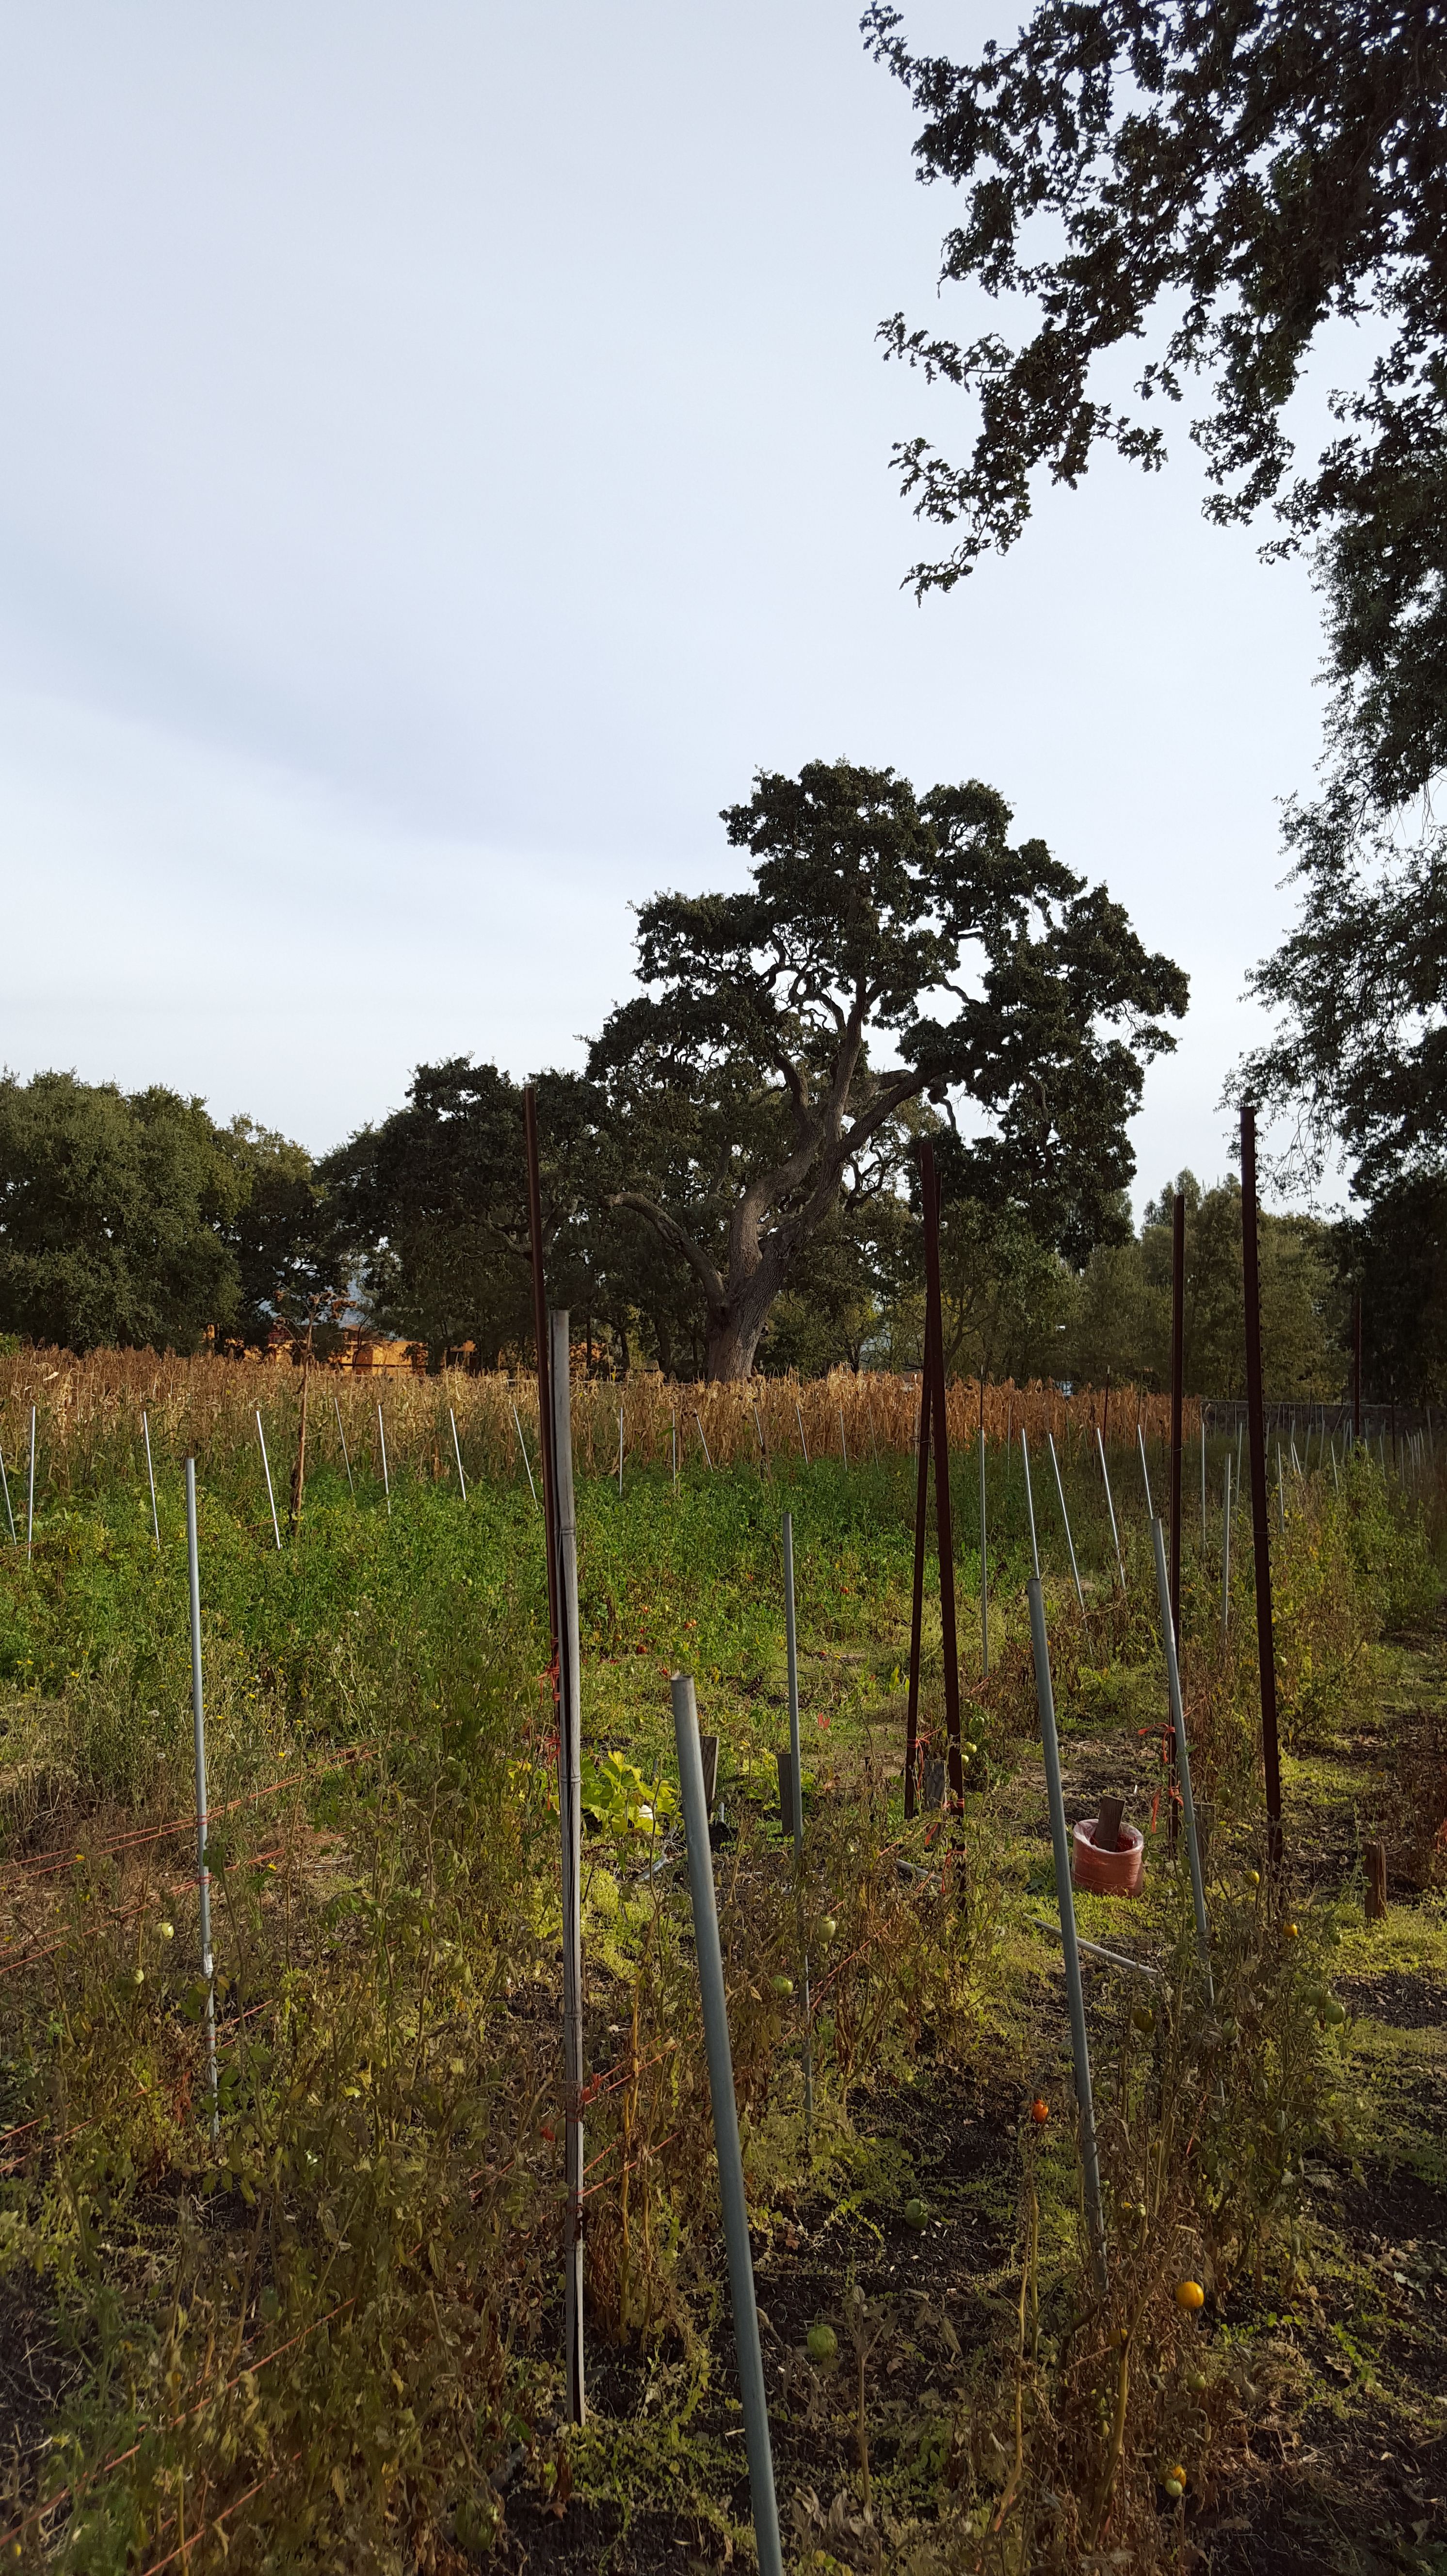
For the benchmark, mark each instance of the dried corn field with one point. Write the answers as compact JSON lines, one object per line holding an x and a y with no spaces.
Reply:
{"x":89,"y":1417}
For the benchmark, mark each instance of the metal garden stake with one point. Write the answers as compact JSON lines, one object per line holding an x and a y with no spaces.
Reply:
{"x":266,"y":1464}
{"x":457,"y":1452}
{"x":570,"y":1789}
{"x":346,"y":1462}
{"x":30,"y":1514}
{"x":151,"y":1473}
{"x":523,"y":1446}
{"x":386,"y":1479}
{"x":803,"y":1443}
{"x":1030,"y":1504}
{"x":726,"y":2130}
{"x":1183,"y":1755}
{"x":1065,"y":1516}
{"x":198,"y":1718}
{"x":791,"y":1642}
{"x":1060,"y":1838}
{"x":1226,"y":1552}
{"x":1110,"y":1507}
{"x":9,"y":1515}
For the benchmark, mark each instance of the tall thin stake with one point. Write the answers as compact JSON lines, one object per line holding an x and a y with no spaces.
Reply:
{"x":346,"y":1461}
{"x":944,"y":1523}
{"x":803,"y":1443}
{"x":198,"y":1720}
{"x":266,"y":1469}
{"x":9,"y":1515}
{"x":1145,"y":1471}
{"x":1183,"y":1756}
{"x":1226,"y":1554}
{"x":457,"y":1452}
{"x":726,"y":2131}
{"x":1356,"y":1370}
{"x":540,"y":1339}
{"x":1110,"y":1507}
{"x":1065,"y":1516}
{"x":570,"y":1809}
{"x":523,"y":1446}
{"x":386,"y":1471}
{"x":1178,"y":1366}
{"x":791,"y":1643}
{"x":1065,"y":1893}
{"x":701,"y":1433}
{"x":1260,"y":1530}
{"x":620,"y":1453}
{"x":1030,"y":1504}
{"x":984,"y":1549}
{"x":843,"y":1443}
{"x":916,"y":1611}
{"x":30,"y":1513}
{"x":151,"y":1473}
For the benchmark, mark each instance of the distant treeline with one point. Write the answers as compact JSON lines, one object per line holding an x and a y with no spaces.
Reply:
{"x":133,"y":1220}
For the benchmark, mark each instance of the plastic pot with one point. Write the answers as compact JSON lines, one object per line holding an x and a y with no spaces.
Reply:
{"x":1108,"y":1873}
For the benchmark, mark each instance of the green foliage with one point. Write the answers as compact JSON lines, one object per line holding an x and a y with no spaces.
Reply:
{"x":111,"y":1209}
{"x":741,"y":1096}
{"x":1238,"y":183}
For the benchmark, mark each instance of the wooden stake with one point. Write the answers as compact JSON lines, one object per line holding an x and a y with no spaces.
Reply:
{"x":570,"y":1757}
{"x":944,"y":1528}
{"x":540,"y":1337}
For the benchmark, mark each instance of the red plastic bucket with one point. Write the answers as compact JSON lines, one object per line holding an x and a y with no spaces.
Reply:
{"x":1108,"y":1873}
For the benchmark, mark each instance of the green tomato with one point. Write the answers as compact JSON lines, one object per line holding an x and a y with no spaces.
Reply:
{"x":783,"y":1986}
{"x":1334,"y":2011}
{"x":916,"y":2216}
{"x":823,"y":2343}
{"x":827,"y":1927}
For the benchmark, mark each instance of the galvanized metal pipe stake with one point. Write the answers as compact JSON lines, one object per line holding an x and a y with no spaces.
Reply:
{"x":726,"y":2130}
{"x":266,"y":1466}
{"x":843,"y":1443}
{"x":803,"y":1443}
{"x":386,"y":1479}
{"x":523,"y":1446}
{"x":1030,"y":1504}
{"x":1065,"y":1893}
{"x":346,"y":1462}
{"x":1226,"y":1553}
{"x":9,"y":1515}
{"x":698,"y":1417}
{"x":198,"y":1718}
{"x":1065,"y":1516}
{"x":570,"y":1808}
{"x":791,"y":1643}
{"x":1110,"y":1507}
{"x":620,"y":1453}
{"x":457,"y":1452}
{"x":151,"y":1473}
{"x":30,"y":1516}
{"x":1183,"y":1757}
{"x":1145,"y":1471}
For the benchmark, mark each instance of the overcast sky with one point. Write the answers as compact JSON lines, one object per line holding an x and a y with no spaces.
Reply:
{"x":445,"y":454}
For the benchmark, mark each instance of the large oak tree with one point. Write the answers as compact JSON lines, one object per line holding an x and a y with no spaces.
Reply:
{"x":889,"y":948}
